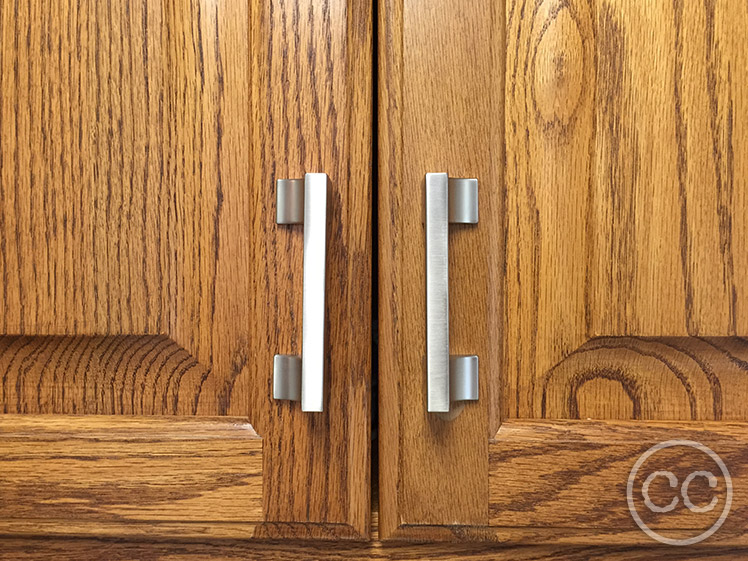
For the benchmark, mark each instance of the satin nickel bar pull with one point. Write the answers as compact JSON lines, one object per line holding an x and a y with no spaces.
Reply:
{"x":303,"y":378}
{"x":449,"y":378}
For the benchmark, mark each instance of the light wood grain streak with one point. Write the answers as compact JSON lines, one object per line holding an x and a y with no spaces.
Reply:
{"x":129,"y":476}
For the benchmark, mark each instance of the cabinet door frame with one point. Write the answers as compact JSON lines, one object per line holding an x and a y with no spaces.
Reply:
{"x":487,"y":474}
{"x":215,"y":101}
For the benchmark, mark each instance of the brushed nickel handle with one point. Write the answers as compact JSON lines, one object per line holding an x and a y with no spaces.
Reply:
{"x":449,"y":377}
{"x":303,"y":378}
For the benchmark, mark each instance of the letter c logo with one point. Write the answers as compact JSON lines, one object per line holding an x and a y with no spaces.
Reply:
{"x":673,"y":483}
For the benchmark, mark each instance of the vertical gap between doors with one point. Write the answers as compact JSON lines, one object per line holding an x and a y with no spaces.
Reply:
{"x":375,"y":261}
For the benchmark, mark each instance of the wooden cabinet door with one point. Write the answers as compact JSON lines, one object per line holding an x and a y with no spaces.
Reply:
{"x":144,"y":284}
{"x":604,"y":287}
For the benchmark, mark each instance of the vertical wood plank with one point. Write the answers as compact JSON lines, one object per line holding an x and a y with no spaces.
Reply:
{"x":441,"y":78}
{"x":311,"y":111}
{"x":666,"y":197}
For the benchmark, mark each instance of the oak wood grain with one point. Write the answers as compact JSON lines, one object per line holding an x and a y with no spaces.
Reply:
{"x":565,"y":481}
{"x":549,"y":104}
{"x":311,"y":111}
{"x":676,"y":378}
{"x":141,"y":272}
{"x":440,"y":66}
{"x":626,"y":157}
{"x":116,"y":374}
{"x":84,"y":550}
{"x":123,"y":207}
{"x":164,"y":477}
{"x":609,"y":284}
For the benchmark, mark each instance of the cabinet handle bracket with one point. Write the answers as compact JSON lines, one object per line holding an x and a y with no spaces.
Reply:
{"x":302,"y":378}
{"x":449,"y":377}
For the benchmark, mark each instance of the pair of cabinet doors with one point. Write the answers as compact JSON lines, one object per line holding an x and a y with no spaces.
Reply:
{"x":153,"y":263}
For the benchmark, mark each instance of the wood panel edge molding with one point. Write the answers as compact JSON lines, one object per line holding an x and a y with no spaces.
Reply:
{"x":563,"y":482}
{"x":14,"y":549}
{"x":126,"y":477}
{"x":597,"y":430}
{"x":516,"y":536}
{"x":566,"y":481}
